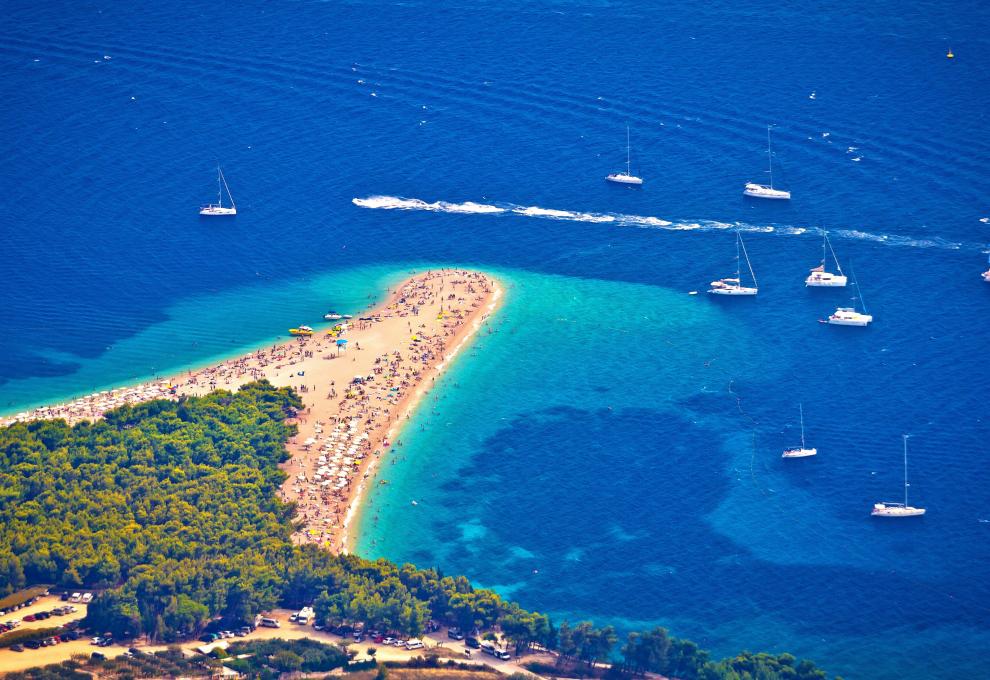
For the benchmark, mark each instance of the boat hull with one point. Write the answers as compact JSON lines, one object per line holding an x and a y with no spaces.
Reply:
{"x":215,"y":211}
{"x":622,"y":178}
{"x":860,"y":323}
{"x":734,"y":291}
{"x":799,"y":453}
{"x":762,"y":191}
{"x":899,"y":510}
{"x":826,"y":281}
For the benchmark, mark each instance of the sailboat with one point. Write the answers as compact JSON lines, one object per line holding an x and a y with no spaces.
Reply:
{"x":218,"y":209}
{"x":733,"y":286}
{"x":804,"y":451}
{"x":625,"y":177}
{"x":766,"y":190}
{"x":986,"y":274}
{"x":848,"y":316}
{"x":818,"y":277}
{"x":891,"y":509}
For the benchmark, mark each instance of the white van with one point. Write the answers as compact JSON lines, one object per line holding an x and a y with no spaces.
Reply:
{"x":269,"y":622}
{"x":414,"y":644}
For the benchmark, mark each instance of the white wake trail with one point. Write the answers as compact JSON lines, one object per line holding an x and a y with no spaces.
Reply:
{"x":643,"y":221}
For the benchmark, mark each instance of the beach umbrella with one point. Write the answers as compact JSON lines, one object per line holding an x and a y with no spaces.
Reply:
{"x":341,"y":342}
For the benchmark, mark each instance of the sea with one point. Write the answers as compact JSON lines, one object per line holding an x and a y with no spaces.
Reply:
{"x":610,"y":446}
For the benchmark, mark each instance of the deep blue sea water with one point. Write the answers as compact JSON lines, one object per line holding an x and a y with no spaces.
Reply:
{"x":610,"y":449}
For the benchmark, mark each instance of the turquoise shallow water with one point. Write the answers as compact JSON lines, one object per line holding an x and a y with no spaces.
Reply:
{"x":674,"y":505}
{"x":602,"y":452}
{"x":206,"y":329}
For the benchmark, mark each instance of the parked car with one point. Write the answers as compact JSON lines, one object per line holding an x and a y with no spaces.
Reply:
{"x":135,"y":651}
{"x":87,"y":598}
{"x":472,"y":642}
{"x":76,"y":597}
{"x":30,"y":617}
{"x":33,"y":644}
{"x":377,"y":639}
{"x":455,"y":634}
{"x":106,"y":642}
{"x":64,"y":597}
{"x":17,"y":647}
{"x":414,"y":644}
{"x":208,"y":637}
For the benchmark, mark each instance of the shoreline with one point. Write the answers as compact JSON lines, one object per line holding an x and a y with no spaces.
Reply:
{"x":380,"y":387}
{"x":379,"y":297}
{"x":464,"y":336}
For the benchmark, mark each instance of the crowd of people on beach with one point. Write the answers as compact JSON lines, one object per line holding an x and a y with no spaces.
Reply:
{"x":345,"y":425}
{"x":333,"y":456}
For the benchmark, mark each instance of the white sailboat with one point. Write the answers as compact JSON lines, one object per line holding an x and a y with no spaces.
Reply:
{"x":848,"y":316}
{"x":218,"y":209}
{"x":625,"y":177}
{"x":986,"y":274}
{"x":804,"y":451}
{"x":733,"y":286}
{"x":818,"y":277}
{"x":892,"y":509}
{"x":766,"y":190}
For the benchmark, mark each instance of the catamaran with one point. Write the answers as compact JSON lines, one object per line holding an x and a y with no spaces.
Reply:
{"x":848,"y":316}
{"x":821,"y":278}
{"x":625,"y":177}
{"x":766,"y":190}
{"x":804,"y":451}
{"x":218,"y":209}
{"x":890,"y":509}
{"x":733,"y":286}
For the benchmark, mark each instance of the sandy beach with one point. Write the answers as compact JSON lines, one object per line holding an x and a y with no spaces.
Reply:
{"x":359,"y":380}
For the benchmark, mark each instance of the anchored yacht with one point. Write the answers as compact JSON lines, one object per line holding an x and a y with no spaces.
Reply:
{"x":892,"y":509}
{"x":766,"y":190}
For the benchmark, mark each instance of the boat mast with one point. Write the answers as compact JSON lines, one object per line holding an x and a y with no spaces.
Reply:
{"x":738,"y":241}
{"x":219,"y":188}
{"x":859,"y":291}
{"x":801,"y":408}
{"x":628,"y":164}
{"x":905,"y":469}
{"x":769,"y":157}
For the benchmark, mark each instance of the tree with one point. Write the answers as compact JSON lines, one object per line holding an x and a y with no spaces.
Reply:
{"x":647,"y":651}
{"x":287,"y":661}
